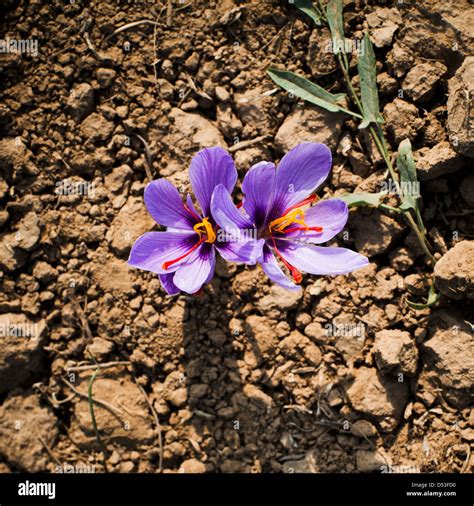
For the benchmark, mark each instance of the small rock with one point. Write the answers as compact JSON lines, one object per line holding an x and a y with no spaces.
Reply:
{"x":381,"y":397}
{"x":105,"y":77}
{"x":100,"y":348}
{"x":21,"y":349}
{"x":130,"y":223}
{"x":81,"y":101}
{"x":96,"y":128}
{"x":23,"y":421}
{"x":368,"y":461}
{"x":194,"y":127}
{"x":374,"y":232}
{"x":217,"y":337}
{"x":437,"y":161}
{"x":118,"y":178}
{"x":278,"y":300}
{"x":459,"y":122}
{"x":166,"y":89}
{"x":420,"y":82}
{"x":402,"y":120}
{"x":192,"y":466}
{"x":259,"y":399}
{"x":449,"y":353}
{"x":222,"y":94}
{"x":400,"y":59}
{"x":44,"y":272}
{"x":297,"y":345}
{"x":309,"y":124}
{"x":363,"y":428}
{"x":454,"y":272}
{"x":129,"y":427}
{"x":395,"y":352}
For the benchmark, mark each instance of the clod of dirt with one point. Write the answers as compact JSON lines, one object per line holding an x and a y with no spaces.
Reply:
{"x":420,"y":82}
{"x":399,"y":60}
{"x":96,"y":128}
{"x":454,"y":272}
{"x":395,"y":352}
{"x":402,"y":120}
{"x":132,"y":221}
{"x":192,"y":466}
{"x":459,"y":123}
{"x":23,"y":422}
{"x":125,"y":420}
{"x":15,"y":158}
{"x":112,"y":274}
{"x":296,"y":345}
{"x":373,"y":231}
{"x":368,"y":461}
{"x":379,"y":397}
{"x":21,"y":349}
{"x":193,"y":131}
{"x":437,"y":161}
{"x":309,"y":124}
{"x":119,"y":178}
{"x":319,"y":59}
{"x":262,"y":337}
{"x":277,"y":300}
{"x":450,"y":354}
{"x":81,"y":101}
{"x":383,"y":24}
{"x":255,"y":109}
{"x":363,"y":428}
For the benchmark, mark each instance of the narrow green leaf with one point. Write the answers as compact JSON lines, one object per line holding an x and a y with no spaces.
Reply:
{"x":368,"y":84}
{"x":311,"y":92}
{"x":433,"y":298}
{"x":409,"y":185}
{"x":362,"y":199}
{"x":307,"y":7}
{"x":336,"y":25}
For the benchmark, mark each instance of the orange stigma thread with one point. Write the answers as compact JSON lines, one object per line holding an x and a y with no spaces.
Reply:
{"x":167,"y":265}
{"x":295,"y":273}
{"x":293,"y":214}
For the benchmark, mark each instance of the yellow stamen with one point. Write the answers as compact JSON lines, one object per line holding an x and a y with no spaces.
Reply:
{"x":295,"y":216}
{"x":205,"y":228}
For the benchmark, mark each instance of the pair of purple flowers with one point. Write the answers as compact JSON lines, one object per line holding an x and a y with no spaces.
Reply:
{"x":273,"y":223}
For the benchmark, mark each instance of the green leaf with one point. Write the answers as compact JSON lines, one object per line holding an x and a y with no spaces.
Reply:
{"x":336,"y":25}
{"x":409,"y":185}
{"x":307,"y":7}
{"x":311,"y":92}
{"x":361,"y":199}
{"x":368,"y":84}
{"x":433,"y":298}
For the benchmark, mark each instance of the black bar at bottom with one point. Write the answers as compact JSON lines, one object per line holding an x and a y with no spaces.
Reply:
{"x":238,"y":490}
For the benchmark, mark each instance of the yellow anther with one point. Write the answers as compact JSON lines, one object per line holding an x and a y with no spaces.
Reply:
{"x":295,"y":216}
{"x":205,"y":228}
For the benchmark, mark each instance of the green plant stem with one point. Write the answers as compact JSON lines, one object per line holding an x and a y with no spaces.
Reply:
{"x":390,"y":208}
{"x":379,"y":139}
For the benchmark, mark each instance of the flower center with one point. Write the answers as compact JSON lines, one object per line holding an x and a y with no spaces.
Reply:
{"x":205,"y":232}
{"x":293,"y":219}
{"x":204,"y":227}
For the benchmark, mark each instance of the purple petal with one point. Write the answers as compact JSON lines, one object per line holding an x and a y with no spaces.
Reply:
{"x":226,"y":214}
{"x":164,"y":203}
{"x":321,"y":260}
{"x":299,"y":173}
{"x":243,"y":252}
{"x":257,"y":188}
{"x":273,"y":271}
{"x":167,"y":283}
{"x":210,"y":167}
{"x":331,"y":215}
{"x":152,"y":249}
{"x":191,"y":276}
{"x":192,"y":207}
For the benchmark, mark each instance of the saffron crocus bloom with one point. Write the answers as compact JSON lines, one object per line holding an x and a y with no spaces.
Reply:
{"x":277,"y":201}
{"x":184,"y":255}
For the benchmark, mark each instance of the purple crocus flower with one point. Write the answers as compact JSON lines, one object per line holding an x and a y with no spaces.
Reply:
{"x":184,"y":255}
{"x":275,"y":200}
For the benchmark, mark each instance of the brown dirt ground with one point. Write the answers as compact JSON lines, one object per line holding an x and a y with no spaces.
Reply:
{"x":342,"y":377}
